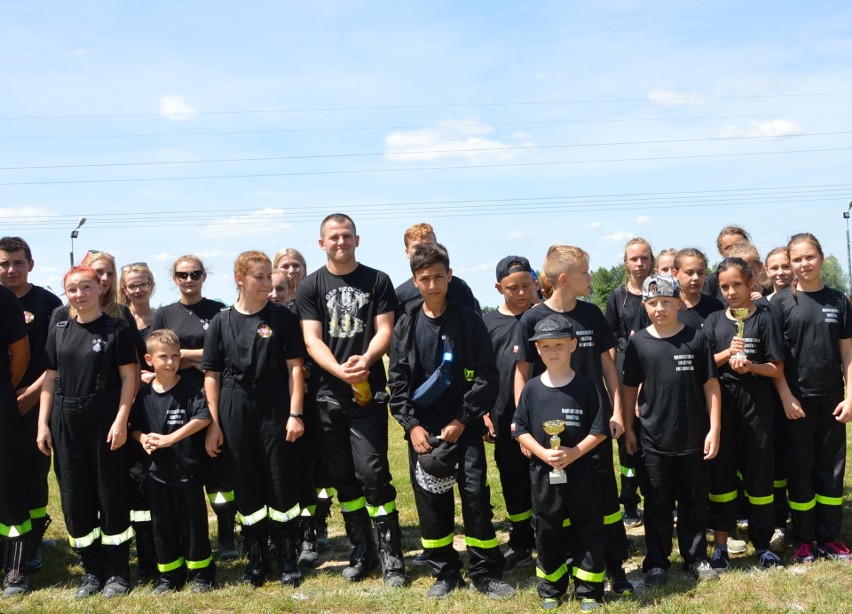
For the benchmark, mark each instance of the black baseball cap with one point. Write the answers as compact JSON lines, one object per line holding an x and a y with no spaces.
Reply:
{"x":442,"y":461}
{"x":512,"y":264}
{"x":553,"y":326}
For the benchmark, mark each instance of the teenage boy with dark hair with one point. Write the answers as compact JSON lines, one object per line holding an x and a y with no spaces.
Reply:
{"x":674,"y":365}
{"x":166,"y":415}
{"x":561,"y":395}
{"x":567,"y":269}
{"x":16,"y":263}
{"x":516,"y":285}
{"x":442,"y":381}
{"x":347,"y":311}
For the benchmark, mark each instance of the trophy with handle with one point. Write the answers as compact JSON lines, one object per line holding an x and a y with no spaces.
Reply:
{"x":553,"y":428}
{"x":740,"y":314}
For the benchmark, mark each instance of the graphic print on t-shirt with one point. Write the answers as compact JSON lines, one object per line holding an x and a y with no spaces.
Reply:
{"x":98,"y":344}
{"x":343,"y":305}
{"x":684,"y":362}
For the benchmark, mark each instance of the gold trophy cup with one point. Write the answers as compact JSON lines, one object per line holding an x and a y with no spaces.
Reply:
{"x":553,"y":428}
{"x":740,"y":315}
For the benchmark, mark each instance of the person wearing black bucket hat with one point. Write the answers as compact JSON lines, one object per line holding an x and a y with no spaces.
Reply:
{"x":561,"y":468}
{"x":442,"y":380}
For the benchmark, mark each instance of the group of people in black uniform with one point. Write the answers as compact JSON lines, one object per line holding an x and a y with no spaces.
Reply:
{"x":709,"y":382}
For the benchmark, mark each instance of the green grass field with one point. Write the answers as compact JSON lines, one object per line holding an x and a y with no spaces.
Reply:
{"x":823,"y":587}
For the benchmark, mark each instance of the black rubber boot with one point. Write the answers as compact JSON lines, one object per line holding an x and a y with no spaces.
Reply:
{"x":390,"y":549}
{"x":285,"y":552}
{"x":226,"y":527}
{"x":91,"y":558}
{"x":256,"y":545}
{"x":32,"y":543}
{"x":14,"y":582}
{"x":117,"y":566}
{"x":363,"y":558}
{"x":146,"y":553}
{"x":308,"y":554}
{"x":323,"y":511}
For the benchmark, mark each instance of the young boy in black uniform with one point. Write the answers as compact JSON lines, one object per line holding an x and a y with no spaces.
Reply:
{"x":16,"y":263}
{"x":571,"y":490}
{"x":517,"y":286}
{"x":442,"y":381}
{"x":567,"y":268}
{"x":166,"y":414}
{"x":674,"y":365}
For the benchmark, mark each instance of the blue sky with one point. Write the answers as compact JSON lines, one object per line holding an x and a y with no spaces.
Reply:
{"x":509,"y":126}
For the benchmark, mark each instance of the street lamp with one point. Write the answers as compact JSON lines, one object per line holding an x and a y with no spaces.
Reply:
{"x":848,"y":249}
{"x":76,"y":232}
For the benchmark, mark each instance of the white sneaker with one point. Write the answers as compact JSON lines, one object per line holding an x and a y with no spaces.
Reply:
{"x":736,"y":546}
{"x":778,"y":541}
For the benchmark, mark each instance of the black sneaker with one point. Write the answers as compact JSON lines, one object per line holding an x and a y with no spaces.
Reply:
{"x":115,"y":586}
{"x":15,"y":583}
{"x":494,"y":588}
{"x":656,"y":576}
{"x":720,"y":561}
{"x":90,"y":585}
{"x":516,"y":558}
{"x":631,"y":517}
{"x":768,"y":559}
{"x":164,"y":587}
{"x":588,"y":604}
{"x":550,"y":603}
{"x":444,"y":587}
{"x":201,"y":586}
{"x":420,"y":559}
{"x":618,"y":581}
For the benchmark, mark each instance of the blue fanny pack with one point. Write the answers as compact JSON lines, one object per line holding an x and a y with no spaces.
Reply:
{"x":428,"y":393}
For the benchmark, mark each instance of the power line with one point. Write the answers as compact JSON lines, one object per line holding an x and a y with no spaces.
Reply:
{"x":692,"y":99}
{"x":422,"y":169}
{"x":414,"y":127}
{"x":420,"y":153}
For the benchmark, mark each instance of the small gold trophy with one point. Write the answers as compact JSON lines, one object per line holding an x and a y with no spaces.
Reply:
{"x":740,"y":315}
{"x":553,"y":428}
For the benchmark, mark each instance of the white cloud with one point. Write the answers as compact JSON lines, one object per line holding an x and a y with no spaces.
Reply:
{"x":269,"y":221}
{"x":642,"y":220}
{"x":454,"y":139}
{"x":485,"y":266}
{"x":671,"y":98}
{"x":771,"y":129}
{"x":621,"y":235}
{"x":176,"y":108}
{"x":595,"y":225}
{"x":516,"y":234}
{"x":82,"y":52}
{"x":27,"y":215}
{"x":163,"y":257}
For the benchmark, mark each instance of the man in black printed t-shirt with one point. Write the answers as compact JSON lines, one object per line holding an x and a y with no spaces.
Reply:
{"x":16,"y":263}
{"x":347,"y":311}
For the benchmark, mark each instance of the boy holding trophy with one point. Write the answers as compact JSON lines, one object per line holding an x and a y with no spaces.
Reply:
{"x":560,"y":418}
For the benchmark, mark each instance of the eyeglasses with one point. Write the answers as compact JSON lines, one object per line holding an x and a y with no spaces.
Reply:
{"x":194,"y":275}
{"x":127,"y":267}
{"x":144,"y":285}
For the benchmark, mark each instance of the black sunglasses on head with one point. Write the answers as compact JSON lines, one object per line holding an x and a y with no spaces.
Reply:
{"x":194,"y":275}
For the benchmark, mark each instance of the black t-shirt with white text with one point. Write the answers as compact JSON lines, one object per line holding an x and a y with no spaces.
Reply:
{"x":594,"y":337}
{"x":762,"y":336}
{"x":813,"y":323}
{"x":82,"y":348}
{"x":38,"y":305}
{"x":672,"y":372}
{"x":346,"y":306}
{"x":190,"y":324}
{"x":179,"y":465}
{"x":578,"y":403}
